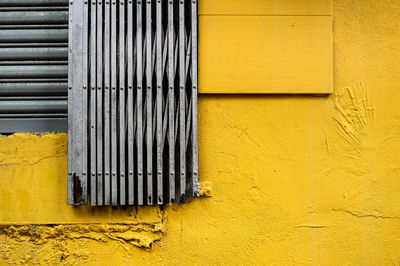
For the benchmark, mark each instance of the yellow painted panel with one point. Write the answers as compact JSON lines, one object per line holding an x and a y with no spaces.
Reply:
{"x":265,"y":54}
{"x":33,"y":186}
{"x":265,"y":7}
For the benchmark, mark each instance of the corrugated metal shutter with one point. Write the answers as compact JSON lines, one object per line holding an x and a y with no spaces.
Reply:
{"x":132,"y":102}
{"x":33,"y":65}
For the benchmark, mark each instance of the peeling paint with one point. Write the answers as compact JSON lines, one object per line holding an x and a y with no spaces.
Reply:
{"x":140,"y":235}
{"x":38,"y":237}
{"x":206,"y":189}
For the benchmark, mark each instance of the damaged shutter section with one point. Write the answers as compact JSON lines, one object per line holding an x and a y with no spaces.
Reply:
{"x":33,"y":65}
{"x":132,"y":102}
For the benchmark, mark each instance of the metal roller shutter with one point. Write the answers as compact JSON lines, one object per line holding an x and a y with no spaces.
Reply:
{"x":33,"y":65}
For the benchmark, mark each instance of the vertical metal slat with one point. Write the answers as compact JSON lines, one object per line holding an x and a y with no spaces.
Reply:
{"x":92,"y":104}
{"x":139,"y":76}
{"x":182,"y":111}
{"x":114,"y":84}
{"x":171,"y":102}
{"x":195,"y":188}
{"x":149,"y":105}
{"x":130,"y":75}
{"x":122,"y":123}
{"x":78,"y":180}
{"x":71,"y":59}
{"x":159,"y":108}
{"x":84,"y":105}
{"x":99,"y":103}
{"x":107,"y":147}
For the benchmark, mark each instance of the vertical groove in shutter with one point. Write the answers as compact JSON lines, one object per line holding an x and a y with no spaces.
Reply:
{"x":132,"y":102}
{"x":33,"y":65}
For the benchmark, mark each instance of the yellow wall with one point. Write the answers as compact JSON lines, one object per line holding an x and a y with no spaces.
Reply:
{"x":295,"y":179}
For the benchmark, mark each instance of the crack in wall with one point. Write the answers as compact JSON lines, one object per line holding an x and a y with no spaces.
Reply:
{"x":365,"y":215}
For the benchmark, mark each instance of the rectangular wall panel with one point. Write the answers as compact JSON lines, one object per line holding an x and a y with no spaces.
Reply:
{"x":266,"y":7}
{"x":133,"y":79}
{"x":266,"y":54}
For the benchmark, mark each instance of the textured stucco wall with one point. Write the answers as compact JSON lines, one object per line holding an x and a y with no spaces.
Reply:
{"x":294,"y":179}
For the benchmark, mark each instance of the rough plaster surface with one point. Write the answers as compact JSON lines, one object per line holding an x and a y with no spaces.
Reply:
{"x":293,"y":180}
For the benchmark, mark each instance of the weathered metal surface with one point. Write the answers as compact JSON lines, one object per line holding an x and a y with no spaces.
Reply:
{"x":106,"y":104}
{"x":130,"y":106}
{"x":159,"y":101}
{"x":139,"y":101}
{"x":40,"y":3}
{"x":194,"y":188}
{"x":121,"y":101}
{"x":21,"y":87}
{"x":33,"y":63}
{"x":33,"y":71}
{"x":33,"y":35}
{"x":99,"y":104}
{"x":170,"y":103}
{"x":34,"y":53}
{"x":33,"y":124}
{"x":149,"y":104}
{"x":92,"y":104}
{"x":30,"y":105}
{"x":114,"y":84}
{"x":34,"y":17}
{"x":142,"y":122}
{"x":181,"y":197}
{"x":71,"y":168}
{"x":76,"y":153}
{"x":84,"y":106}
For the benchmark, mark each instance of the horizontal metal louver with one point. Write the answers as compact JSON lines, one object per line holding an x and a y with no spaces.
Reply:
{"x":132,"y":102}
{"x":33,"y":65}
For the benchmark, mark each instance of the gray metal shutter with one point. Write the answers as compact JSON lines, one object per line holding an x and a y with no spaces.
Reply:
{"x":33,"y":65}
{"x":132,"y":102}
